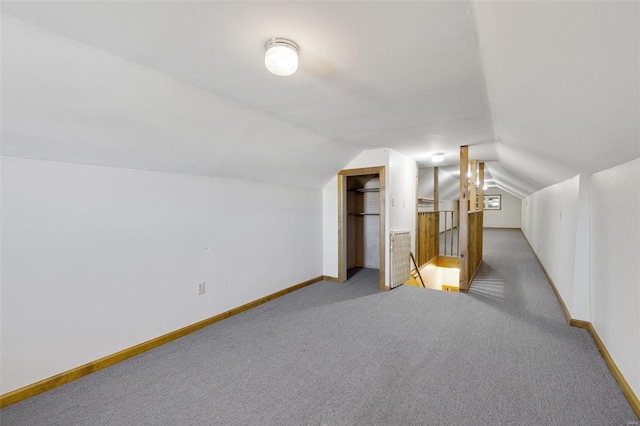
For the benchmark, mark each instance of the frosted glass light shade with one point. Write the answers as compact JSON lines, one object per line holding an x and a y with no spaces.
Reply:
{"x":281,"y":57}
{"x":437,"y":158}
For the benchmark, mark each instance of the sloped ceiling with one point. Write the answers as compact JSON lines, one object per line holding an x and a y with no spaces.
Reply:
{"x":181,"y":86}
{"x":563,"y":85}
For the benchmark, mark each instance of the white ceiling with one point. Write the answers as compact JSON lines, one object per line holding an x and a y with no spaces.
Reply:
{"x":181,"y":86}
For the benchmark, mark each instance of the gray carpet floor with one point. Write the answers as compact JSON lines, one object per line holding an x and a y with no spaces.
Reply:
{"x":348,"y":354}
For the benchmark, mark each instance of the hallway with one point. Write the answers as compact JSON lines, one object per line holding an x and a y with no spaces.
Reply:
{"x":529,"y":336}
{"x":348,"y":354}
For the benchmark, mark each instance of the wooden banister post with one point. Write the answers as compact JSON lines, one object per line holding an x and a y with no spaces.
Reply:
{"x":481,"y":205}
{"x":436,"y":206}
{"x":436,"y":190}
{"x":481,"y":187}
{"x":473,"y":196}
{"x":463,"y":225}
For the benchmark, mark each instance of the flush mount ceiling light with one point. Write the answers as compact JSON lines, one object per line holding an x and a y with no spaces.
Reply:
{"x":281,"y":57}
{"x":438,"y":158}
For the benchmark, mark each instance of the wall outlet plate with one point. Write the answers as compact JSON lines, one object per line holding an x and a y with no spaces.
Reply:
{"x":201,"y":287}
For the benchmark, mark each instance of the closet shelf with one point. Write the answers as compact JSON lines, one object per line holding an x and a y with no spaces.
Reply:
{"x":364,"y":214}
{"x":365,"y":190}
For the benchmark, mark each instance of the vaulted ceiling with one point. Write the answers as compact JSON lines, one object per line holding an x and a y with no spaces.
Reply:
{"x":541,"y":91}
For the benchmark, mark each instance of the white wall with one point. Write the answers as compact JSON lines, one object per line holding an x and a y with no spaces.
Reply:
{"x":549,"y":223}
{"x":580,"y":306}
{"x":330,"y":228}
{"x":401,"y":176}
{"x":448,"y":182}
{"x":509,"y":216}
{"x":402,"y":195}
{"x":97,"y":259}
{"x":615,"y":260}
{"x":586,"y":232}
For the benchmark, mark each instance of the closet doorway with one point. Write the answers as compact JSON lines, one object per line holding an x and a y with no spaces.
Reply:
{"x":361,"y":221}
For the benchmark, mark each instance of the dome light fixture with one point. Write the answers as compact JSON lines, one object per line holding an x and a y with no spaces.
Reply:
{"x":438,"y":158}
{"x":281,"y":57}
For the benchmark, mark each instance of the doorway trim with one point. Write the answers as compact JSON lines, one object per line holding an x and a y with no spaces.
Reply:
{"x":342,"y":218}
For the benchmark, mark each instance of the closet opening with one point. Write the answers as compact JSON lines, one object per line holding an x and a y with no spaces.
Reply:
{"x":361,"y":222}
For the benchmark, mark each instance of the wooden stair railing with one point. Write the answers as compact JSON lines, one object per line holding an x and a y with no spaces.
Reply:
{"x":417,"y":271}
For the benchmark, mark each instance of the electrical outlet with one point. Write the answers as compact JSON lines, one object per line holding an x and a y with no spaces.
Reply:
{"x":201,"y":288}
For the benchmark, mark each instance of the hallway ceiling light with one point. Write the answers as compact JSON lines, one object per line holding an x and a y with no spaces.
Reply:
{"x":438,"y":158}
{"x":281,"y":57}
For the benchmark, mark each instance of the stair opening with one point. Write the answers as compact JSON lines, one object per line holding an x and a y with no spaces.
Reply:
{"x":441,"y":273}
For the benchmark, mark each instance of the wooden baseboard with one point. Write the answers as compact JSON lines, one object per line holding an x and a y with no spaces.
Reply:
{"x":472,"y":277}
{"x":330,"y":278}
{"x":565,"y":311}
{"x":586,"y":325}
{"x":109,"y":360}
{"x":580,"y":324}
{"x":617,"y":374}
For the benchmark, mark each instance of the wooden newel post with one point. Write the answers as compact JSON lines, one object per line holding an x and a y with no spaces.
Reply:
{"x":481,"y":206}
{"x":436,"y":190}
{"x":436,"y":207}
{"x":463,"y":225}
{"x":473,"y":193}
{"x":481,"y":187}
